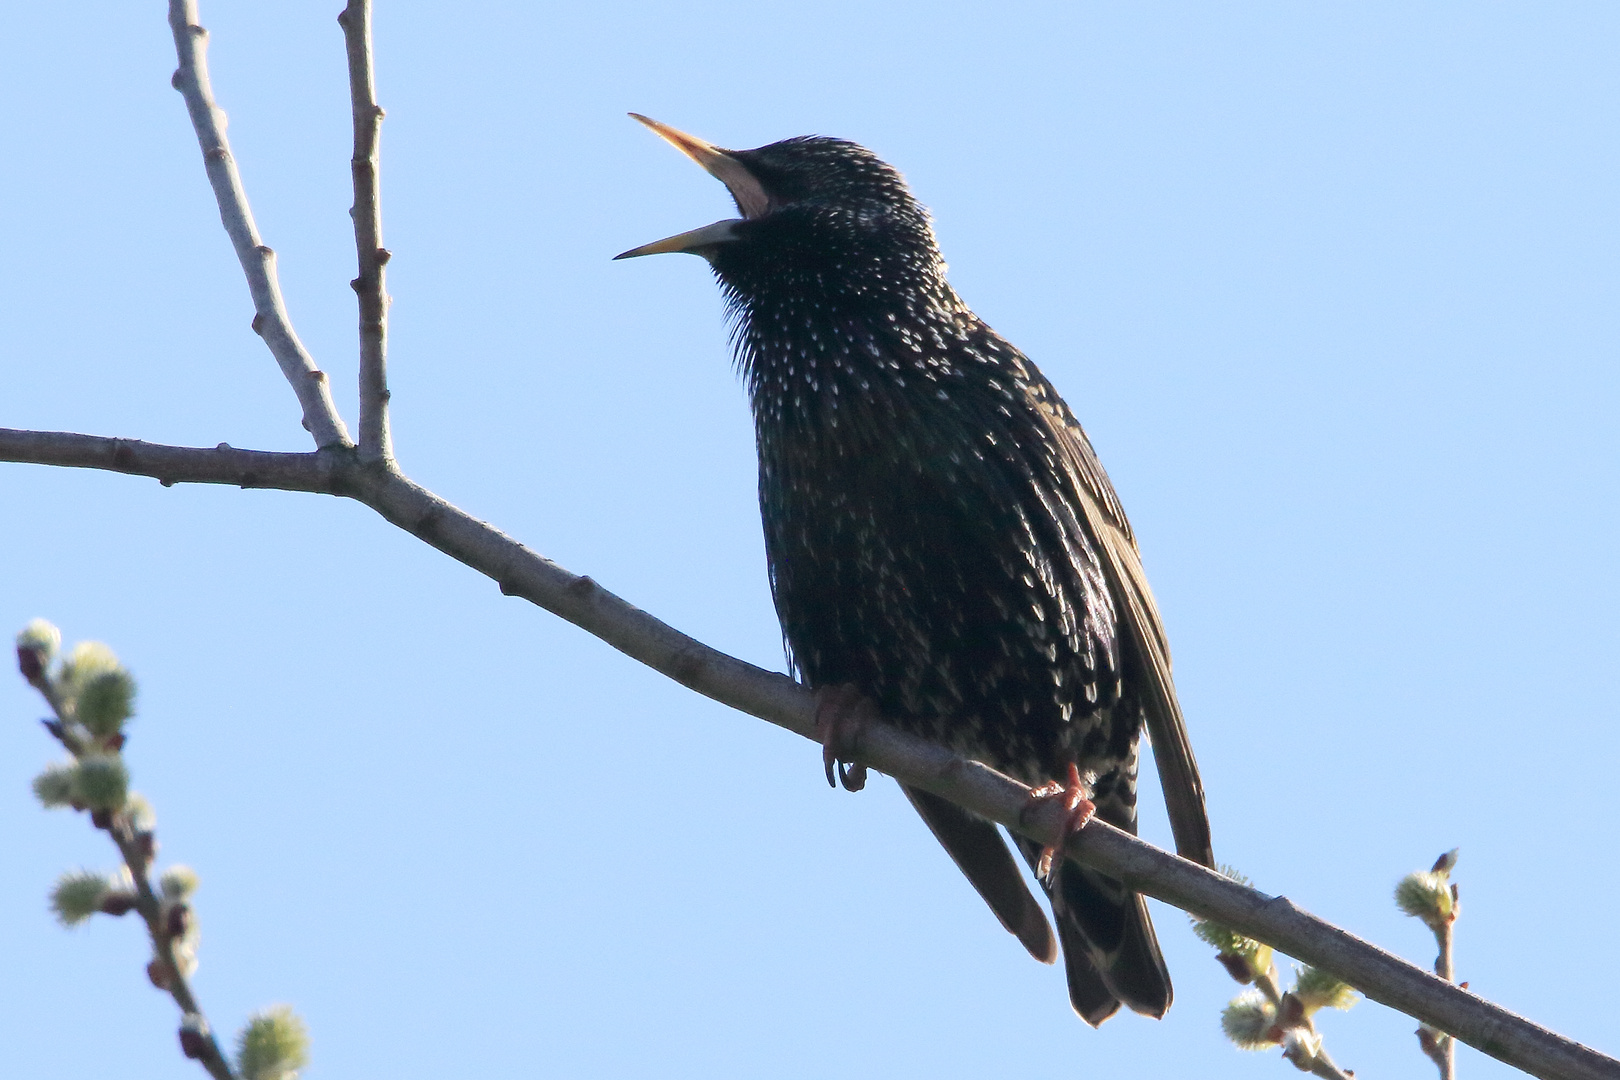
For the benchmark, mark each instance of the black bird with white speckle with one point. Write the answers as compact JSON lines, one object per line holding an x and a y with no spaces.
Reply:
{"x":941,"y":536}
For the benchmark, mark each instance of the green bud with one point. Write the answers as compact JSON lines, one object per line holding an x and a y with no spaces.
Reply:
{"x":86,"y":660}
{"x":105,"y":701}
{"x":142,"y":818}
{"x":42,"y":638}
{"x":1247,"y":1020}
{"x":1425,"y":895}
{"x":101,"y":782}
{"x":79,"y":895}
{"x":273,"y":1046}
{"x":54,"y":786}
{"x":1316,"y":989}
{"x":178,"y":882}
{"x":1224,"y":940}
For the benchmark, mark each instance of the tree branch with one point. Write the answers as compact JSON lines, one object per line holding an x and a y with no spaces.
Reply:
{"x":170,"y":465}
{"x":368,"y":476}
{"x":376,"y":442}
{"x":270,"y":319}
{"x":137,"y":848}
{"x":519,"y":571}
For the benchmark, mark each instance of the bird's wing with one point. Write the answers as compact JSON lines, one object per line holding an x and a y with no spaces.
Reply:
{"x":982,"y":856}
{"x":1142,"y":634}
{"x":1172,"y":751}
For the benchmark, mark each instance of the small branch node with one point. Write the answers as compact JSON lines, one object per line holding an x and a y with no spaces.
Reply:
{"x":428,"y":522}
{"x":688,"y":668}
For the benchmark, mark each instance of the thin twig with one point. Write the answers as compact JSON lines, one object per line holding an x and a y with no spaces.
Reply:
{"x":136,"y":851}
{"x":270,"y":319}
{"x":519,"y":571}
{"x":170,"y":465}
{"x":1442,"y":1050}
{"x":376,"y":441}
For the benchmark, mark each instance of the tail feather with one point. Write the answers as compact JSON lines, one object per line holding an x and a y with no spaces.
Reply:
{"x":1110,"y":953}
{"x":982,"y":856}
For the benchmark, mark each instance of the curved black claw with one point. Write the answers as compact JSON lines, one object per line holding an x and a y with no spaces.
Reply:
{"x":842,"y":712}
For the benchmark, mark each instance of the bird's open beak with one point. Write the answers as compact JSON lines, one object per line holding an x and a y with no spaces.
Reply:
{"x":745,"y":188}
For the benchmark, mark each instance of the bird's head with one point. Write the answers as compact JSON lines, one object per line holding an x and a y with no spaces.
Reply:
{"x":817,"y":214}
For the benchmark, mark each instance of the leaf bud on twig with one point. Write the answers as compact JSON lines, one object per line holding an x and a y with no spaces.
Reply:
{"x":54,"y":786}
{"x":78,"y":895}
{"x":1426,"y":895}
{"x":273,"y":1046}
{"x":1249,"y":1020}
{"x":104,"y":702}
{"x":101,"y":782}
{"x":1316,"y":989}
{"x":37,"y":646}
{"x":178,"y":882}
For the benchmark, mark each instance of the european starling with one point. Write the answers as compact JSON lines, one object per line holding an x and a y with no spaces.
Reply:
{"x":943,"y":543}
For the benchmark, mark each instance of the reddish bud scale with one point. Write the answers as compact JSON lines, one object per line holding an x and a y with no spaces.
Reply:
{"x":193,"y":1044}
{"x":118,"y":903}
{"x":31,"y":662}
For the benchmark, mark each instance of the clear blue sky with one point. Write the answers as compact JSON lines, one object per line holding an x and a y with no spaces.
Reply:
{"x":1332,"y":286}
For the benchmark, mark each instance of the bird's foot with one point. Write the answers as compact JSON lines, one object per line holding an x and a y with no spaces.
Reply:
{"x":842,"y":713}
{"x":1076,"y":806}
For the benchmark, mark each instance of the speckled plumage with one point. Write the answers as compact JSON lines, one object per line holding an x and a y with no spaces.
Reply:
{"x":941,"y":536}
